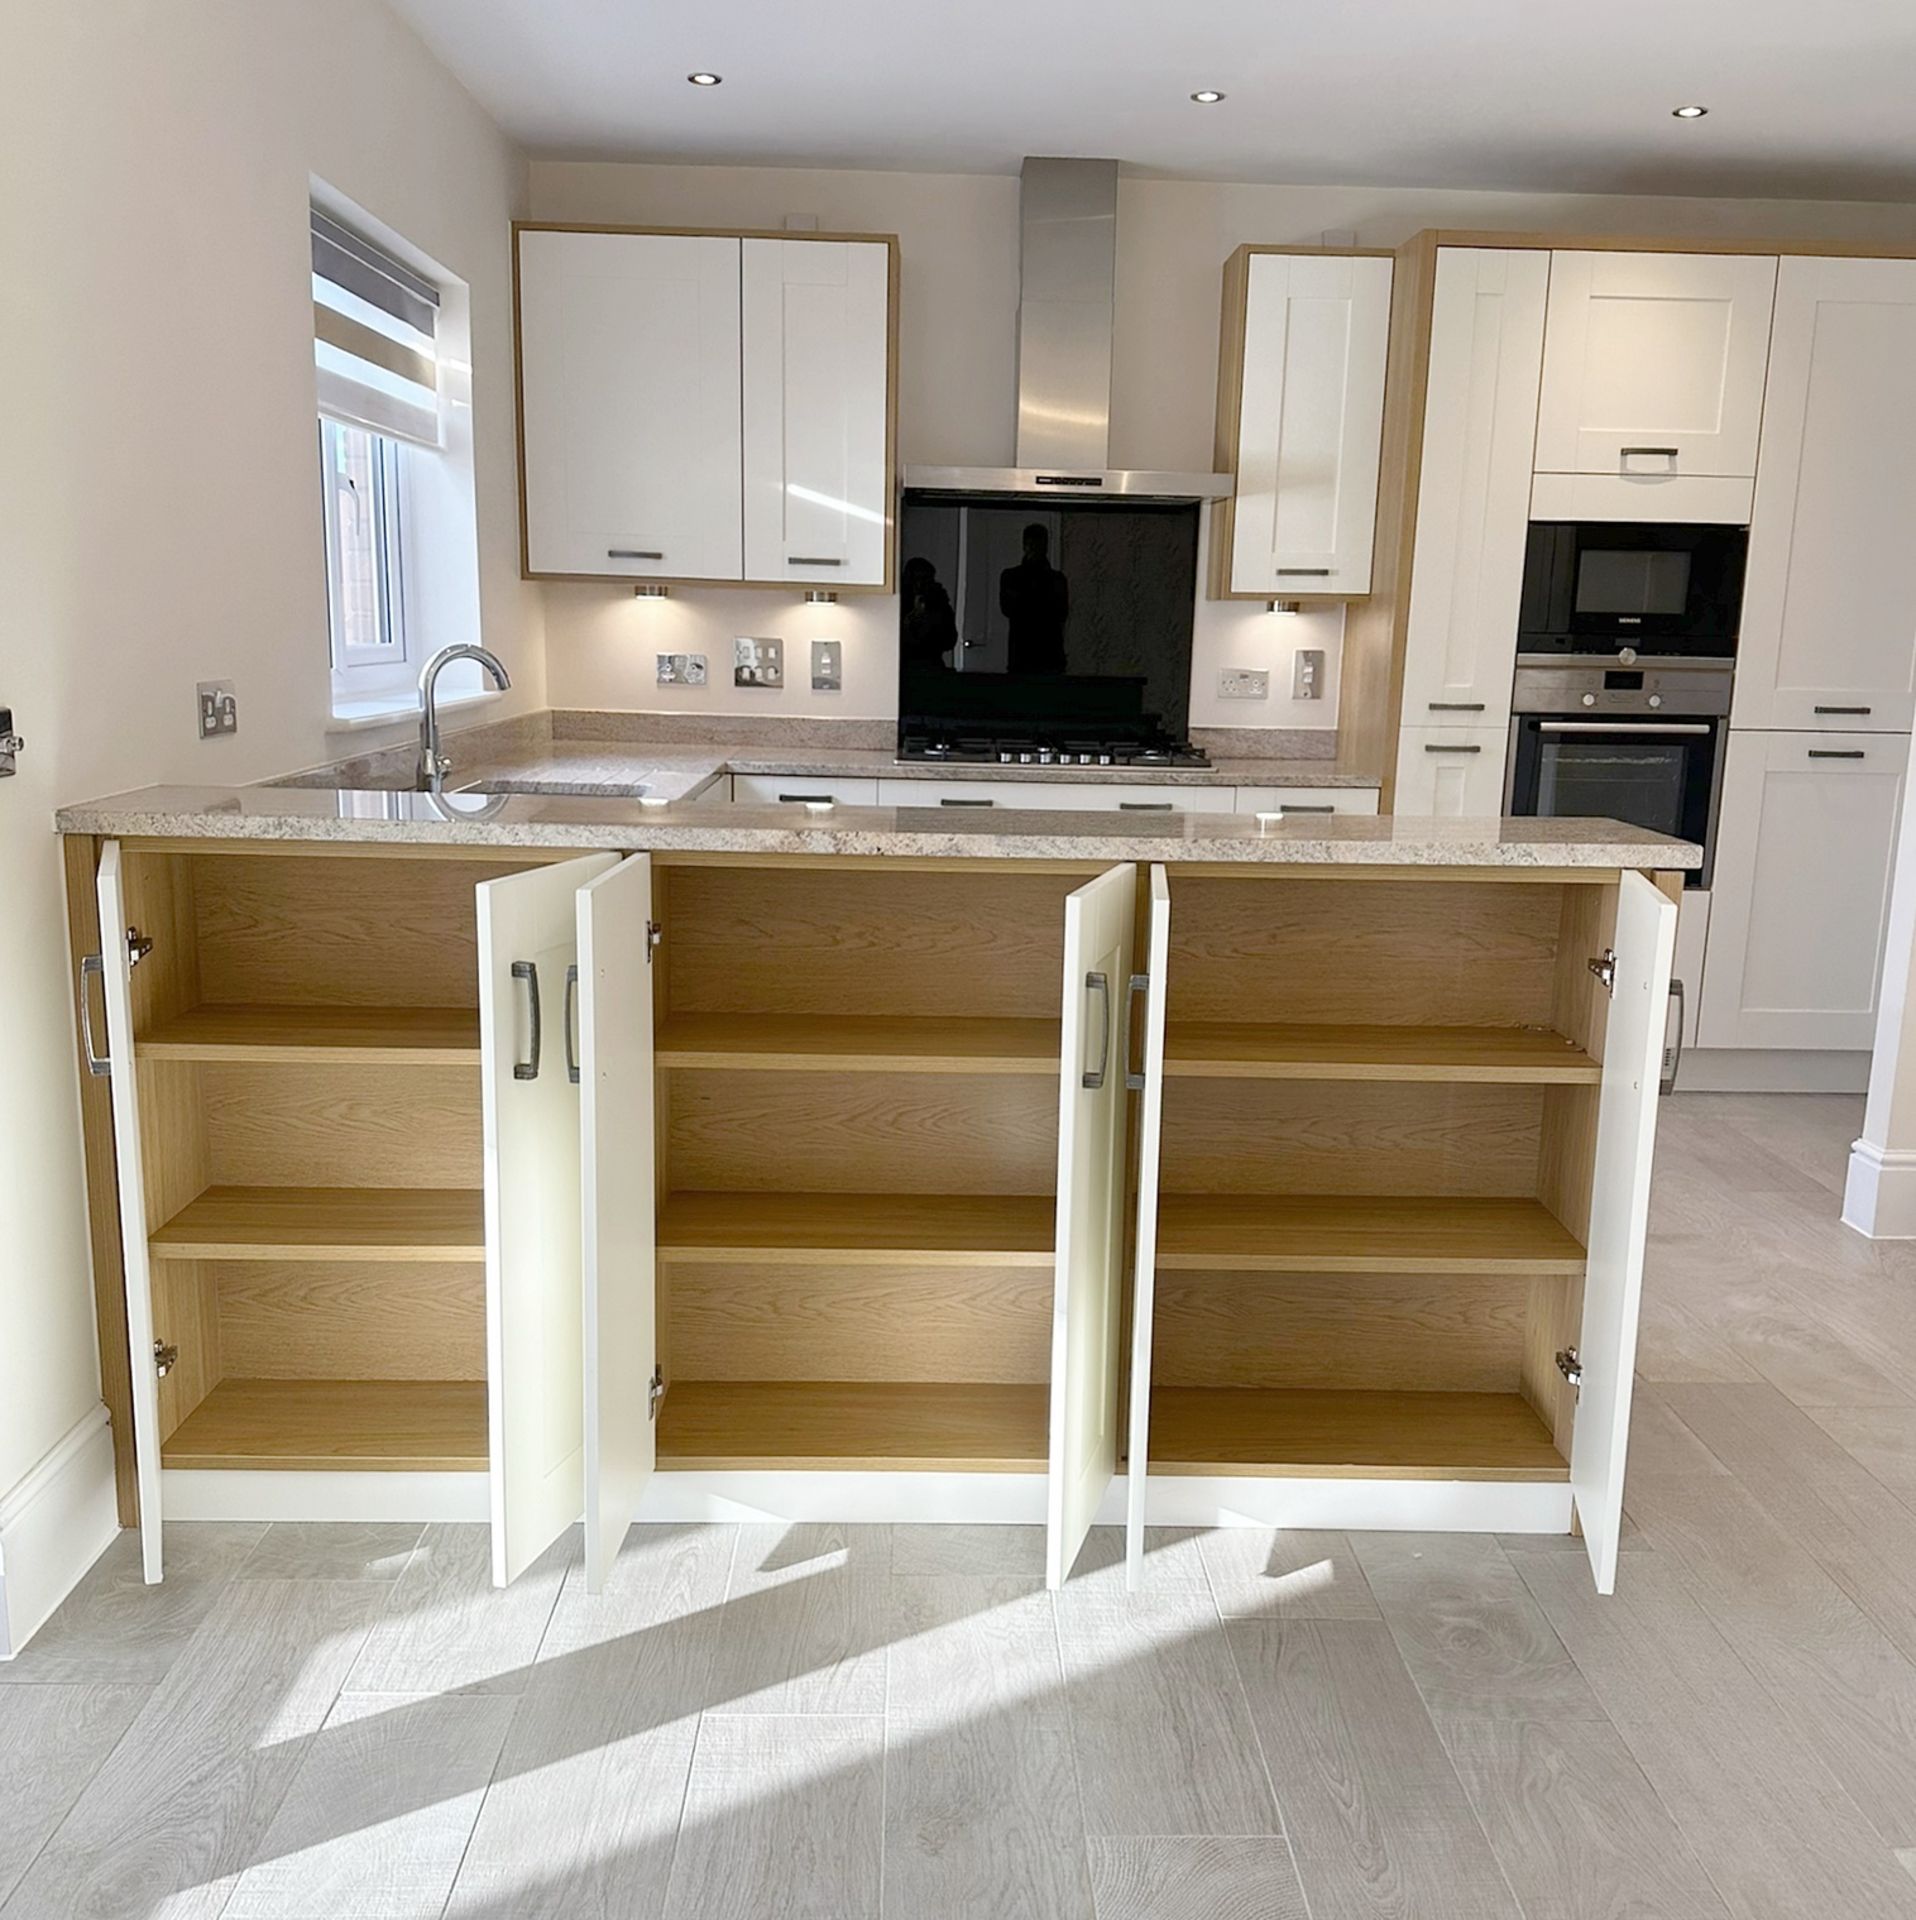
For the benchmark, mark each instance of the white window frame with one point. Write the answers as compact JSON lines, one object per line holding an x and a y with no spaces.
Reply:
{"x":386,"y":670}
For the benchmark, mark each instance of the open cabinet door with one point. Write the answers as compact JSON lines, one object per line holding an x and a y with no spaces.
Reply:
{"x":1645,"y":943}
{"x":1148,"y":1081}
{"x":616,"y":1166}
{"x":115,"y":965}
{"x":534,"y":1365}
{"x":1090,"y":1241}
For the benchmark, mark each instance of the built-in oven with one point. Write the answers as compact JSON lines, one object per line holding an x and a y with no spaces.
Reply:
{"x":1592,"y":586}
{"x":1633,"y":740}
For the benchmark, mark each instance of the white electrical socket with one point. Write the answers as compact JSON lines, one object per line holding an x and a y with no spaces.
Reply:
{"x":1244,"y":683}
{"x":681,"y":669}
{"x":218,"y":708}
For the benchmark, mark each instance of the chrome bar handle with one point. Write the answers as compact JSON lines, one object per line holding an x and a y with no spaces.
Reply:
{"x":1455,"y":706}
{"x":1304,"y":573}
{"x":1144,"y":806}
{"x":812,"y":560}
{"x":1837,"y":753}
{"x":1860,"y":713}
{"x":528,"y":971}
{"x":1299,"y":806}
{"x":92,"y":965}
{"x":947,"y":801}
{"x":1100,"y":984}
{"x":571,"y":998}
{"x":633,"y":553}
{"x":1673,"y":1055}
{"x":1133,"y":1076}
{"x":1431,"y":746}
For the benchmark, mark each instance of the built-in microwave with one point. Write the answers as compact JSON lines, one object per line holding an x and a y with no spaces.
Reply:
{"x":1598,"y":586}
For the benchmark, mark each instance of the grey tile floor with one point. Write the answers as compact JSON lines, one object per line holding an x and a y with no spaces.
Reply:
{"x":309,"y":1723}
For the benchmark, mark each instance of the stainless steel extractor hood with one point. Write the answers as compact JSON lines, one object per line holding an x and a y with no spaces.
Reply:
{"x":1068,"y":230}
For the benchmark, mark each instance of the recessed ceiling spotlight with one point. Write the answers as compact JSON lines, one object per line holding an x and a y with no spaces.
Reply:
{"x":1207,"y":96}
{"x":705,"y":79}
{"x":1688,"y":113}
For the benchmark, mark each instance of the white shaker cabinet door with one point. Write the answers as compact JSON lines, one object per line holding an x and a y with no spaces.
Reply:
{"x":817,"y":346}
{"x":1148,"y":1082}
{"x":1473,"y":493}
{"x":528,"y":930}
{"x":114,"y":964}
{"x":1310,"y":417}
{"x":1799,"y":903}
{"x":1653,"y":364}
{"x":1645,"y":941}
{"x":629,"y":404}
{"x":1090,"y":1233}
{"x":619,"y":1239}
{"x":1451,"y":773}
{"x":1829,"y":607}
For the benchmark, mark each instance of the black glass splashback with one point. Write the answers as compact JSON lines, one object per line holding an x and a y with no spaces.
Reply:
{"x":1037,"y":621}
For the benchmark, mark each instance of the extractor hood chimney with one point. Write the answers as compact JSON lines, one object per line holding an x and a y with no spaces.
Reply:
{"x":1068,"y":235}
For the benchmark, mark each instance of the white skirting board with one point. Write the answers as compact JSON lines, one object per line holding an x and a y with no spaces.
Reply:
{"x":1771,"y":1070}
{"x":53,"y":1525}
{"x":1879,"y":1195}
{"x":192,"y":1493}
{"x":1171,"y":1500}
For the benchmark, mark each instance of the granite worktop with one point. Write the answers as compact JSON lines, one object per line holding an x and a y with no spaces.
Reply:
{"x":661,"y":823}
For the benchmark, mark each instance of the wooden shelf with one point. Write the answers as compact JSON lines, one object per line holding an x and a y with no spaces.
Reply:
{"x":837,"y":1426}
{"x":862,"y":1043}
{"x":1329,"y":1435}
{"x":361,"y":1426}
{"x":341,"y":1036}
{"x":1362,"y":1233}
{"x":872,"y":1229}
{"x":327,"y":1223}
{"x":1506,"y":1056}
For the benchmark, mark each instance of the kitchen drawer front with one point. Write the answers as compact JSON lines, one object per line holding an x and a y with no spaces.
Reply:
{"x":1307,"y":800}
{"x":1054,"y":796}
{"x":794,"y":789}
{"x":1451,"y":773}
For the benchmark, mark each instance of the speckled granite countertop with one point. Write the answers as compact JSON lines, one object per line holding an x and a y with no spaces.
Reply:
{"x":613,"y":769}
{"x":510,"y":820}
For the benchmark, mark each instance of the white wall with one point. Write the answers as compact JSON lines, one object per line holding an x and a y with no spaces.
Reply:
{"x":958,"y":239}
{"x":159,"y":498}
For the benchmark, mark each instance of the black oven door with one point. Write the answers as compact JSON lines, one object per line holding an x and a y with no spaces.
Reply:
{"x":1596,"y":586}
{"x":1658,"y":774}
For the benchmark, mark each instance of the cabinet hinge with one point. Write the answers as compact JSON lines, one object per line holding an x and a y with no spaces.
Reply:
{"x":1604,"y":966}
{"x":166,"y":1357}
{"x":654,"y":933}
{"x":655,"y":1393}
{"x":138,"y":946}
{"x":1570,"y":1365}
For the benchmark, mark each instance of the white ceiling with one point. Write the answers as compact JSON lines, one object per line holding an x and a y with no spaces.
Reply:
{"x":1812,"y":98}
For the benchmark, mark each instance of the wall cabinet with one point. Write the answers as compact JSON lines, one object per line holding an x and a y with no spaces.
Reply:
{"x":1800,"y":901}
{"x":1473,"y":495}
{"x":818,"y":455}
{"x":648,"y":1187}
{"x":1454,"y":773}
{"x":629,"y":399}
{"x":1829,"y":610}
{"x":1300,"y":418}
{"x":1654,"y":364}
{"x":707,"y":407}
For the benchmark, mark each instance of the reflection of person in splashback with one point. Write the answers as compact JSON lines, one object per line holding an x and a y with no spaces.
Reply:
{"x":1035,"y":599}
{"x":930,"y":627}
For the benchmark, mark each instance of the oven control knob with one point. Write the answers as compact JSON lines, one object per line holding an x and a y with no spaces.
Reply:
{"x":1589,"y":699}
{"x":1656,"y":699}
{"x":1628,"y":656}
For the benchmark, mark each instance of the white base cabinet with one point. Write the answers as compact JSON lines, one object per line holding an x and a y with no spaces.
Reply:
{"x":672,"y":1187}
{"x":1800,"y":898}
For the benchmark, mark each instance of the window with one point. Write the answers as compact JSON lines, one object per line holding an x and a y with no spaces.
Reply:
{"x":363,"y":477}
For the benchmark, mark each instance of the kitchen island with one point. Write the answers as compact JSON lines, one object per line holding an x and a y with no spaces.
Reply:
{"x":521,"y":1154}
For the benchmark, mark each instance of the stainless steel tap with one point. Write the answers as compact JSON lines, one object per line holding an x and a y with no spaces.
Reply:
{"x":433,"y":764}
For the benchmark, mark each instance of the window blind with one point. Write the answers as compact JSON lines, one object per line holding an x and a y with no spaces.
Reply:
{"x":373,"y":325}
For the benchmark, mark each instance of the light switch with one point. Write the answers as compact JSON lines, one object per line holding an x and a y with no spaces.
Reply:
{"x":828,"y":666}
{"x":1307,"y":673}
